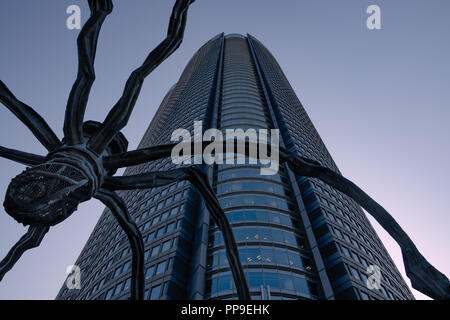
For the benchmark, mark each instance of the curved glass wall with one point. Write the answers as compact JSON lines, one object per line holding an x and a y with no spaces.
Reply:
{"x":271,"y":244}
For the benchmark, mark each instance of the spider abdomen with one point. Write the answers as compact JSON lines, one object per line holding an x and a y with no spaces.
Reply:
{"x":49,"y":193}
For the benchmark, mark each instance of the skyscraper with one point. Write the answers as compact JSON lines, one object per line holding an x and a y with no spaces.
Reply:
{"x":297,"y":237}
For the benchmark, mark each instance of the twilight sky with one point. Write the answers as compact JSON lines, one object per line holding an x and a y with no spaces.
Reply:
{"x":380,"y":100}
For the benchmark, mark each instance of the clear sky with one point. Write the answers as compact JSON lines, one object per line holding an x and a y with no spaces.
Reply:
{"x":380,"y":100}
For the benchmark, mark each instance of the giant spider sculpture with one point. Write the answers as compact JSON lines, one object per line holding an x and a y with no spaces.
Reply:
{"x":82,"y":166}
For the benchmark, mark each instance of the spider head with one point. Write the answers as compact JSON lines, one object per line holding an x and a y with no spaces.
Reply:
{"x":47,"y":194}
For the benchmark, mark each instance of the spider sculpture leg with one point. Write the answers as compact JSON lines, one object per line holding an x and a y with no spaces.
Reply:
{"x":200,"y":181}
{"x":136,"y":157}
{"x":119,"y":115}
{"x":31,"y":239}
{"x":140,"y":156}
{"x":120,"y":212}
{"x":424,"y":277}
{"x":30,"y":118}
{"x":87,"y":47}
{"x":25,"y":158}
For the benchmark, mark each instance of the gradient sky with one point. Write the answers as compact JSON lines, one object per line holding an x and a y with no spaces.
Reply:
{"x":379,"y":99}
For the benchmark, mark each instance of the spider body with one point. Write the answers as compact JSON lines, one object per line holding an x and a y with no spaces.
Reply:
{"x":48,"y":193}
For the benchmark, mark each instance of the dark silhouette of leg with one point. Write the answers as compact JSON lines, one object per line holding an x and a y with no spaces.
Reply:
{"x":119,"y":115}
{"x":25,"y":158}
{"x":30,"y":118}
{"x":120,"y":212}
{"x":30,"y":240}
{"x":87,"y":47}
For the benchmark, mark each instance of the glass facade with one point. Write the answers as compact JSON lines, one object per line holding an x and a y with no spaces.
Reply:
{"x":297,"y":237}
{"x":271,"y":243}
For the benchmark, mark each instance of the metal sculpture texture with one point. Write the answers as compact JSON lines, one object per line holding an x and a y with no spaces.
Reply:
{"x":82,"y":165}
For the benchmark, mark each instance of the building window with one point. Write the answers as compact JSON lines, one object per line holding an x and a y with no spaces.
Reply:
{"x":150,"y":237}
{"x":161,"y":267}
{"x":149,"y":272}
{"x":170,"y":226}
{"x":364,"y":296}
{"x":160,"y":232}
{"x":127,"y":284}
{"x":165,"y":215}
{"x":166,"y":246}
{"x":109,"y":294}
{"x":355,"y":273}
{"x":255,"y":279}
{"x":126,"y":266}
{"x":155,"y":251}
{"x":174,"y":211}
{"x":154,"y":293}
{"x":286,"y":282}
{"x":118,"y":288}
